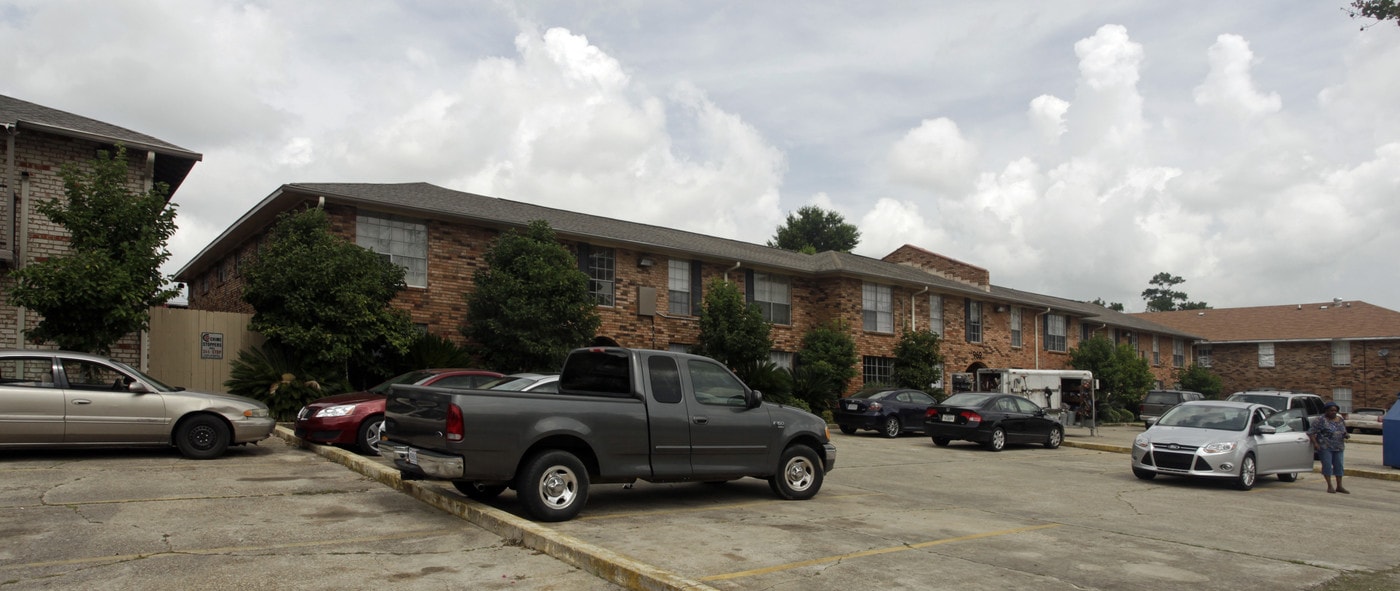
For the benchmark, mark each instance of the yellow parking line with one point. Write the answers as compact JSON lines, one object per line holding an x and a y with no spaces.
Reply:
{"x":225,"y":550}
{"x":872,"y":552}
{"x":708,"y":508}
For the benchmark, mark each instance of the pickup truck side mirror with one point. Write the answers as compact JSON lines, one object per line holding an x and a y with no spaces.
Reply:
{"x":754,"y":398}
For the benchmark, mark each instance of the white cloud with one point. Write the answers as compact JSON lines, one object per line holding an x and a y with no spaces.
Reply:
{"x":1229,"y":85}
{"x":935,"y":154}
{"x":1047,"y":116}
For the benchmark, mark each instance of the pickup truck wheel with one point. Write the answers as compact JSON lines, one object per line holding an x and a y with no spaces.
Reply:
{"x":891,"y":427}
{"x":799,"y":474}
{"x":368,"y":439}
{"x":477,"y":491}
{"x":847,"y":429}
{"x":553,"y":486}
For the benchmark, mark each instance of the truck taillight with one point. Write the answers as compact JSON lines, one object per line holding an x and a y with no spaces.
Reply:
{"x":455,"y":428}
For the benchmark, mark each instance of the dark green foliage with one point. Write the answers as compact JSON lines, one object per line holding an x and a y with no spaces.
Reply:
{"x":324,"y":298}
{"x":917,"y":360}
{"x":1115,"y":306}
{"x":281,"y":378}
{"x":531,"y":304}
{"x":773,"y":381}
{"x":826,"y":364}
{"x":1124,"y":377}
{"x":813,"y":229}
{"x":732,"y":331}
{"x":1199,"y":379}
{"x":104,"y":288}
{"x":1380,"y":10}
{"x":1163,"y":298}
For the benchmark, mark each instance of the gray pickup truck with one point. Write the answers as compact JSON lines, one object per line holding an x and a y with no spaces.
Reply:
{"x":620,"y":415}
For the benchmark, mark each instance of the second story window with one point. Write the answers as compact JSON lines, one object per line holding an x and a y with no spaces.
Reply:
{"x":1055,"y":333}
{"x":1178,"y":353}
{"x":1266,"y":354}
{"x":678,"y":287}
{"x":876,"y":310}
{"x":601,"y":267}
{"x":935,"y":314}
{"x":1015,"y":326}
{"x":1203,"y":356}
{"x":1156,"y":353}
{"x":403,"y":241}
{"x":773,"y":295}
{"x":1341,"y":353}
{"x":973,"y":319}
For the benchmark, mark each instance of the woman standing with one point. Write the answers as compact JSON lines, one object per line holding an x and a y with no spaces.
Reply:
{"x":1329,"y":434}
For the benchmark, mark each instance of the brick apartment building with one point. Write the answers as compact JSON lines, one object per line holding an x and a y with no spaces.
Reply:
{"x":37,"y":142}
{"x":649,"y":280}
{"x":1345,"y":351}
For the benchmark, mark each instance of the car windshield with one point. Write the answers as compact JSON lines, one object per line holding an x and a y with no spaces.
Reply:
{"x":967,"y":399}
{"x":160,"y":387}
{"x":1272,"y":400}
{"x":1206,"y":417}
{"x":1160,"y":397}
{"x":412,"y":377}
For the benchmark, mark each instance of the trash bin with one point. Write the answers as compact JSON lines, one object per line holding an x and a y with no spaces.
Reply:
{"x":1390,"y":436}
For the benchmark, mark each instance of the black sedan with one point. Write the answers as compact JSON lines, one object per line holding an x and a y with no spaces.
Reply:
{"x":891,"y":411}
{"x":991,"y":419}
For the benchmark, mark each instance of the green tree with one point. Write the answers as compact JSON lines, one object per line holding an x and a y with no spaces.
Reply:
{"x":104,"y":288}
{"x":1161,"y":297}
{"x":917,"y":361}
{"x":1115,"y":306}
{"x":1199,"y":379}
{"x":281,"y":378}
{"x":826,"y":363}
{"x":322,"y":298}
{"x":530,"y":305}
{"x":813,"y":229}
{"x":1380,"y":10}
{"x":731,"y":331}
{"x":1124,"y":377}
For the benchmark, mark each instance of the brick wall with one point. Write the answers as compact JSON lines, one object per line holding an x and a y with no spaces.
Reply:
{"x":940,"y":265}
{"x":1373,"y":378}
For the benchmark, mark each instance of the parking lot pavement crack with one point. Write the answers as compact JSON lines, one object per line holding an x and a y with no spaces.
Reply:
{"x":1122,"y":499}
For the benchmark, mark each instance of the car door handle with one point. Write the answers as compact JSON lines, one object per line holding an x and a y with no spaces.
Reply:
{"x":700,"y":420}
{"x":81,"y":401}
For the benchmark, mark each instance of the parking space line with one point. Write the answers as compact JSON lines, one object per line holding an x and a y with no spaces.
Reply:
{"x":873,"y":552}
{"x":709,"y":507}
{"x":228,"y":549}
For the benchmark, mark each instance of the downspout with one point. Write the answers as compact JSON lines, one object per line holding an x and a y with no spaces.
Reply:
{"x":1037,"y":336}
{"x":22,"y":251}
{"x":10,"y":193}
{"x":726,"y":271}
{"x":914,"y":320}
{"x":144,"y":337}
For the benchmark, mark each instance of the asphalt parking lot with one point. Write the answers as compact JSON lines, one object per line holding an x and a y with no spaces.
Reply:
{"x":896,"y":513}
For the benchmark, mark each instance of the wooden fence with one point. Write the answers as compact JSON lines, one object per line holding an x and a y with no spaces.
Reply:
{"x":196,"y":348}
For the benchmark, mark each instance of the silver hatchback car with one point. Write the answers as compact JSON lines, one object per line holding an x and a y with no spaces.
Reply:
{"x":66,"y":399}
{"x":1225,"y":439}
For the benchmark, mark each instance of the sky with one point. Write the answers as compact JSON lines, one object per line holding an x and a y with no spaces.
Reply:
{"x":1074,"y":148}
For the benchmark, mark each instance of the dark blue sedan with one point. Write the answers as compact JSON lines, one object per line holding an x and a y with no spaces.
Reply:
{"x":992,"y":420}
{"x":891,"y":411}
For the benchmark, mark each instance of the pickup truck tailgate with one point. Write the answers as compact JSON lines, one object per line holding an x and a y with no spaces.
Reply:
{"x":416,"y":416}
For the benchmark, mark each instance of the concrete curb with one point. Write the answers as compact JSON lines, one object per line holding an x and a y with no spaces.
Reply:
{"x":1123,"y":449}
{"x":603,"y":563}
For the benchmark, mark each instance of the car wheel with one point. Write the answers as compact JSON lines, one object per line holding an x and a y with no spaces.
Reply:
{"x":202,"y":437}
{"x":891,"y":427}
{"x":1248,"y":473}
{"x":1057,"y":436}
{"x":847,"y":429}
{"x":370,"y":431}
{"x":799,"y":474}
{"x":1144,"y":474}
{"x":998,"y":440}
{"x":553,"y":486}
{"x":477,"y":491}
{"x":942,"y":441}
{"x":1288,"y":477}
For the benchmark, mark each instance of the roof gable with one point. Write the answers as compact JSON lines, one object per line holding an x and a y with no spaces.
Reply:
{"x":1318,"y":321}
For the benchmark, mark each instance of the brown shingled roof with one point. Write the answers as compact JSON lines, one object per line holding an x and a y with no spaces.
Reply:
{"x":1308,"y":322}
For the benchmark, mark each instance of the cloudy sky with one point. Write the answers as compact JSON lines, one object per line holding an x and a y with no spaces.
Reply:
{"x":1073,"y":148}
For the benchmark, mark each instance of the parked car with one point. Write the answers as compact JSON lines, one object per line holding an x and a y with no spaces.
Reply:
{"x":889,"y":411}
{"x":1225,"y":439}
{"x":67,"y":399}
{"x":525,"y":382}
{"x":357,"y":418}
{"x":991,"y":419}
{"x":1365,"y":419}
{"x":1157,"y":402}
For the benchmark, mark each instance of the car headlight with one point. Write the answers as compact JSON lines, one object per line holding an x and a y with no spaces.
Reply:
{"x":1219,"y":447}
{"x":336,"y":411}
{"x":1142,"y":441}
{"x":256,"y":413}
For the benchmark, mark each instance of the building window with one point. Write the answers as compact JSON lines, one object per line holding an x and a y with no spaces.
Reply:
{"x":781,"y":359}
{"x":1203,"y":356}
{"x":1085,"y":333}
{"x":877,"y":311}
{"x":678,"y":287}
{"x":1156,"y":352}
{"x":1015,"y":326}
{"x":1341,"y":353}
{"x":935,"y":314}
{"x":403,"y":242}
{"x":877,"y":370}
{"x":1266,"y":354}
{"x":1055,"y":332}
{"x":1178,"y":353}
{"x":600,"y":264}
{"x":1342,"y":396}
{"x":773,"y":295}
{"x":973,"y":319}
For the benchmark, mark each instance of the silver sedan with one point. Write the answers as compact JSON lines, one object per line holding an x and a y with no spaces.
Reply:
{"x":1224,"y":439}
{"x":66,"y":399}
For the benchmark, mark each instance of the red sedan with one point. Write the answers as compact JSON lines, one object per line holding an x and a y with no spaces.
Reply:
{"x":357,"y":418}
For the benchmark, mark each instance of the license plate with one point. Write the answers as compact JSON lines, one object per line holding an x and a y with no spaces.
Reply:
{"x":947,"y":418}
{"x":851,"y":407}
{"x":412,"y":456}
